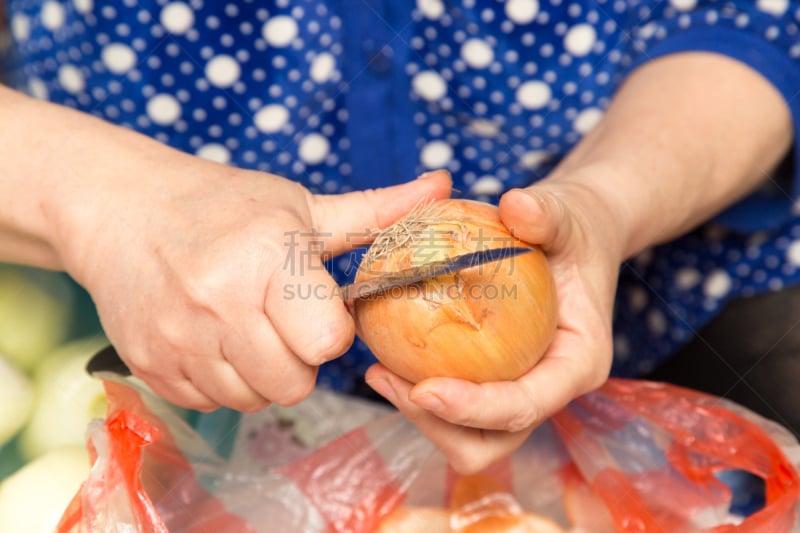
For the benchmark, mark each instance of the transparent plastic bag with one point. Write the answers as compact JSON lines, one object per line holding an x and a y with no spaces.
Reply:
{"x":633,"y":456}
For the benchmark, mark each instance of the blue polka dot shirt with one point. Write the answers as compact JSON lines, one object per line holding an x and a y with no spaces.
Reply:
{"x":341,"y":95}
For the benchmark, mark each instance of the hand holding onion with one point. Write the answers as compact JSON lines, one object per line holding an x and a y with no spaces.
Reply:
{"x":475,"y":422}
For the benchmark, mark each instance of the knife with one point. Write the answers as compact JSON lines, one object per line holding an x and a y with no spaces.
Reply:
{"x":409,"y":276}
{"x":108,"y":360}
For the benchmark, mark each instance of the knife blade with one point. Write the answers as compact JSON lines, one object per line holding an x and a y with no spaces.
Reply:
{"x":409,"y":276}
{"x":107,"y":360}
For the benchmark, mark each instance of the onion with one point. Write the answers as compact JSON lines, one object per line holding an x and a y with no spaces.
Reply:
{"x":16,"y":400}
{"x":67,"y":398}
{"x":435,"y":520}
{"x":487,"y":323}
{"x":35,"y":313}
{"x":478,"y":504}
{"x":416,"y":520}
{"x":35,"y":496}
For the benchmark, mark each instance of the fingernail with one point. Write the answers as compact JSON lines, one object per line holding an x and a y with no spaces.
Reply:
{"x":382,"y":387}
{"x":428,"y":401}
{"x":526,"y":194}
{"x":428,"y":174}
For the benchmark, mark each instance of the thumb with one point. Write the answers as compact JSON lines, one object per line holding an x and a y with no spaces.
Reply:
{"x":538,"y":216}
{"x":350,"y":218}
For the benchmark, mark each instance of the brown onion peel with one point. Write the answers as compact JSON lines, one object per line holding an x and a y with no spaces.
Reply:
{"x":487,"y":323}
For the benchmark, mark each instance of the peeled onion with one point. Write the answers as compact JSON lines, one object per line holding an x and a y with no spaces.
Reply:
{"x":16,"y":400}
{"x":34,"y":497}
{"x":487,"y":323}
{"x":67,"y":398}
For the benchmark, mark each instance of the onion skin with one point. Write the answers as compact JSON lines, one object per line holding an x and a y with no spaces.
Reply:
{"x":487,"y":323}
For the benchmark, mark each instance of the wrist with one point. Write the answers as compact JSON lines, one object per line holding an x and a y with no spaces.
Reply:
{"x":100,"y":209}
{"x":605,"y":210}
{"x":669,"y":154}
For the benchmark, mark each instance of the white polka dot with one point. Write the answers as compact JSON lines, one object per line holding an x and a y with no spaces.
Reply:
{"x":163,"y":109}
{"x":271,"y":118}
{"x":683,"y":5}
{"x":686,"y":278}
{"x":223,"y":71}
{"x":314,"y":148}
{"x":477,"y":53}
{"x":177,"y":17}
{"x":773,"y":7}
{"x":71,"y":79}
{"x":214,"y":152}
{"x":656,"y":322}
{"x":622,"y":348}
{"x":436,"y":154}
{"x":637,"y":299}
{"x":83,"y":7}
{"x":487,"y":185}
{"x":484,"y":128}
{"x":429,"y":85}
{"x":280,"y":31}
{"x":533,"y":94}
{"x":20,"y":27}
{"x":522,"y":11}
{"x":580,"y":39}
{"x":644,"y":258}
{"x":717,"y":284}
{"x":587,"y":120}
{"x":534,"y":158}
{"x":432,"y":9}
{"x":38,"y":89}
{"x":793,"y":253}
{"x":118,"y":58}
{"x":52,"y":15}
{"x":322,"y":67}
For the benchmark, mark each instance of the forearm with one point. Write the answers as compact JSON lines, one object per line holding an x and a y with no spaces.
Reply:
{"x":685,"y":136}
{"x":24,"y":220}
{"x":55,"y":164}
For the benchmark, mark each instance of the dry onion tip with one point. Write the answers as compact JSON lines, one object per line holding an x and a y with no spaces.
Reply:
{"x":487,"y":323}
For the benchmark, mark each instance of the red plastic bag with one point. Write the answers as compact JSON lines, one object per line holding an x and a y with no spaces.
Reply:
{"x":152,"y":473}
{"x":683,"y":439}
{"x":137,"y":463}
{"x":633,"y":456}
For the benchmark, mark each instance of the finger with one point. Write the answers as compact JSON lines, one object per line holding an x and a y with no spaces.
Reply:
{"x":218,"y":380}
{"x":514,"y":405}
{"x":267,"y":364}
{"x":536,"y":215}
{"x":350,"y":218}
{"x":303,"y":301}
{"x":467,"y":450}
{"x":305,"y":307}
{"x":181,"y":392}
{"x":163,"y":375}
